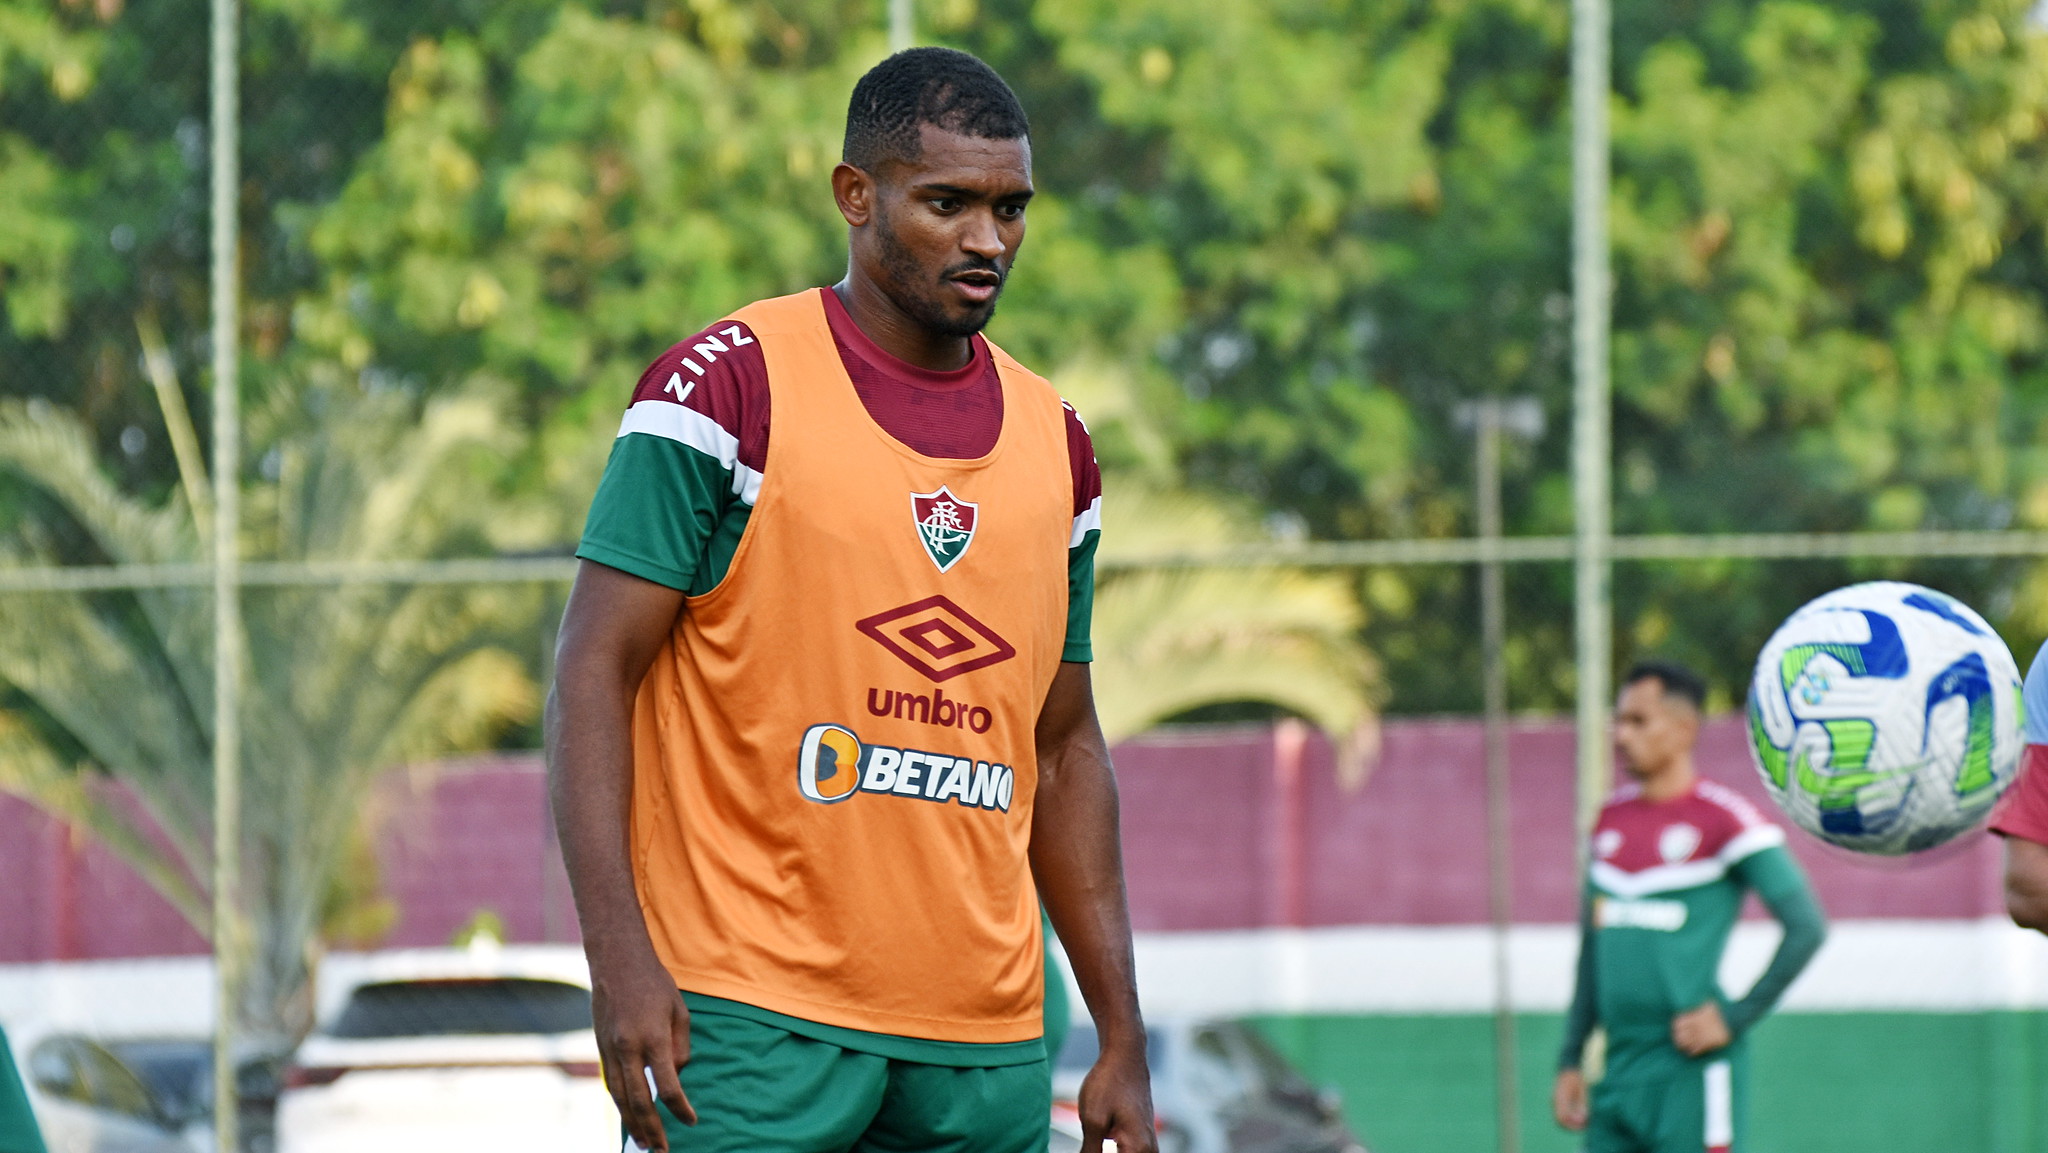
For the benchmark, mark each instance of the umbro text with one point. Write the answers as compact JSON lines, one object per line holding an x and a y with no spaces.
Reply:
{"x":937,"y":709}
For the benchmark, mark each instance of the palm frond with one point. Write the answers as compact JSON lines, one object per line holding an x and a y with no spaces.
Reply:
{"x":344,"y":682}
{"x":1171,"y":640}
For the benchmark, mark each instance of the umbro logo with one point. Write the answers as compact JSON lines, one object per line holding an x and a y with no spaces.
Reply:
{"x":937,"y":638}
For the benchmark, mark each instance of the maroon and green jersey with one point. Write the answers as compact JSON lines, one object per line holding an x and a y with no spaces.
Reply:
{"x":687,"y":465}
{"x":1663,"y":892}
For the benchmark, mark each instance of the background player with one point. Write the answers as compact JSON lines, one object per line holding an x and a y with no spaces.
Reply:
{"x":858,"y":642}
{"x":1672,"y":856}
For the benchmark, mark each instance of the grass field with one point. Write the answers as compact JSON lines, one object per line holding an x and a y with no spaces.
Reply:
{"x":1820,"y":1082}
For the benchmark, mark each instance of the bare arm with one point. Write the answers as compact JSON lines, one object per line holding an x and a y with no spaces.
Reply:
{"x":1077,"y":859}
{"x":2026,"y":883}
{"x":612,"y":628}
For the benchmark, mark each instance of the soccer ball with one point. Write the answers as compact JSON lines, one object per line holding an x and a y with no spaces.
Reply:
{"x":1885,"y":717}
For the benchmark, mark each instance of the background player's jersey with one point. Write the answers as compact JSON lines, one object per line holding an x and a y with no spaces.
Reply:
{"x":1665,"y":889}
{"x":2023,"y":811}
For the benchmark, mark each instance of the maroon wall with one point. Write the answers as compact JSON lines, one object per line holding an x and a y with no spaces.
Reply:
{"x":1218,"y":834}
{"x":63,"y":897}
{"x":1203,"y":818}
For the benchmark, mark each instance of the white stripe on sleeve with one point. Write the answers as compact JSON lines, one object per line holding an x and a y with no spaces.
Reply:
{"x":687,"y":426}
{"x":1752,"y":840}
{"x":1089,"y":521}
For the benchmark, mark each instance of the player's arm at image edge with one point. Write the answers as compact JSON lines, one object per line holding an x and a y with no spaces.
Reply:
{"x":2026,"y":882}
{"x":1580,"y":1019}
{"x":613,"y":626}
{"x":2021,"y":820}
{"x":1781,"y":885}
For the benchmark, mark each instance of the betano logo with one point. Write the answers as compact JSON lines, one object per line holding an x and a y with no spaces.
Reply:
{"x":1658,"y":915}
{"x":833,"y":765}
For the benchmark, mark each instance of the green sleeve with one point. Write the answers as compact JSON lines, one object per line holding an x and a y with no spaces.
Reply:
{"x":1081,"y":598}
{"x":1779,"y":883}
{"x":1582,"y":1016}
{"x":656,"y":510}
{"x":18,"y":1131}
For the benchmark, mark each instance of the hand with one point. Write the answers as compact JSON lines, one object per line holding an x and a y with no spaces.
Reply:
{"x":1700,"y":1031}
{"x":1568,"y":1100}
{"x":1116,"y":1102}
{"x":643,"y":1028}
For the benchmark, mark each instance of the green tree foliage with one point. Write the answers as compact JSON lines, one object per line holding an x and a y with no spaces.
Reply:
{"x":110,"y":718}
{"x":1172,"y":641}
{"x":1307,"y":231}
{"x":1177,"y":641}
{"x":1828,"y":226}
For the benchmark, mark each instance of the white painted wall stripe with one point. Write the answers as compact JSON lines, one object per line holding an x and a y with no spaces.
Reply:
{"x":160,"y":996}
{"x":1913,"y":965}
{"x":1873,"y":965}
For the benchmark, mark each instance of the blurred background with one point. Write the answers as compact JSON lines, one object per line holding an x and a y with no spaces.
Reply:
{"x":1304,"y":267}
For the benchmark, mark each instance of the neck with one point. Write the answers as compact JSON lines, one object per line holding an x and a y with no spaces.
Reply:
{"x":895,"y":332}
{"x":1675,"y":779}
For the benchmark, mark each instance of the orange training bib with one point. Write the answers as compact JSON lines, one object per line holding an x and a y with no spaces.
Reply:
{"x":834,"y":762}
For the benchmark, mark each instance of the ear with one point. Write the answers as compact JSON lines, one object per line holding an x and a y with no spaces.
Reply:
{"x":854,"y":191}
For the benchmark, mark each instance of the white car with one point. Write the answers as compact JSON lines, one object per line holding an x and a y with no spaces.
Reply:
{"x":432,"y":1051}
{"x":86,"y":1101}
{"x":1218,"y":1087}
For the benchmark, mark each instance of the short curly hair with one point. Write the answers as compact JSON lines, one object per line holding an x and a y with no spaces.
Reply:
{"x":937,"y":86}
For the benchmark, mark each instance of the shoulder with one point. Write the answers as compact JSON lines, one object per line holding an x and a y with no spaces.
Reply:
{"x":1620,"y":802}
{"x":1087,"y":474}
{"x":1081,"y":464}
{"x":1729,"y":805}
{"x":1735,"y":827}
{"x":1037,"y":388}
{"x":777,"y":315}
{"x":708,"y":391}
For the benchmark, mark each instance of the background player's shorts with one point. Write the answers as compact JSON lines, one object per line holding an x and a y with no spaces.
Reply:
{"x":760,"y":1089}
{"x":1695,"y":1112}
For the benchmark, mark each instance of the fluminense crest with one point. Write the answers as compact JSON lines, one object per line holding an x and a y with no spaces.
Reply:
{"x":945,"y":524}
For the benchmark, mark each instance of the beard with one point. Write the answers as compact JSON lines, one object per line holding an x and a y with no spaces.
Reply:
{"x":902,"y":278}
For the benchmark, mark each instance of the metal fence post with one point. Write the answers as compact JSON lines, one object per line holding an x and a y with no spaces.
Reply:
{"x":225,"y":178}
{"x":1592,"y":464}
{"x":902,"y":27}
{"x":1499,"y":888}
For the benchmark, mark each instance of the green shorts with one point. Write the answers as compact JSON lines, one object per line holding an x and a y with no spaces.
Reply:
{"x":761,"y":1089}
{"x":1700,"y":1111}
